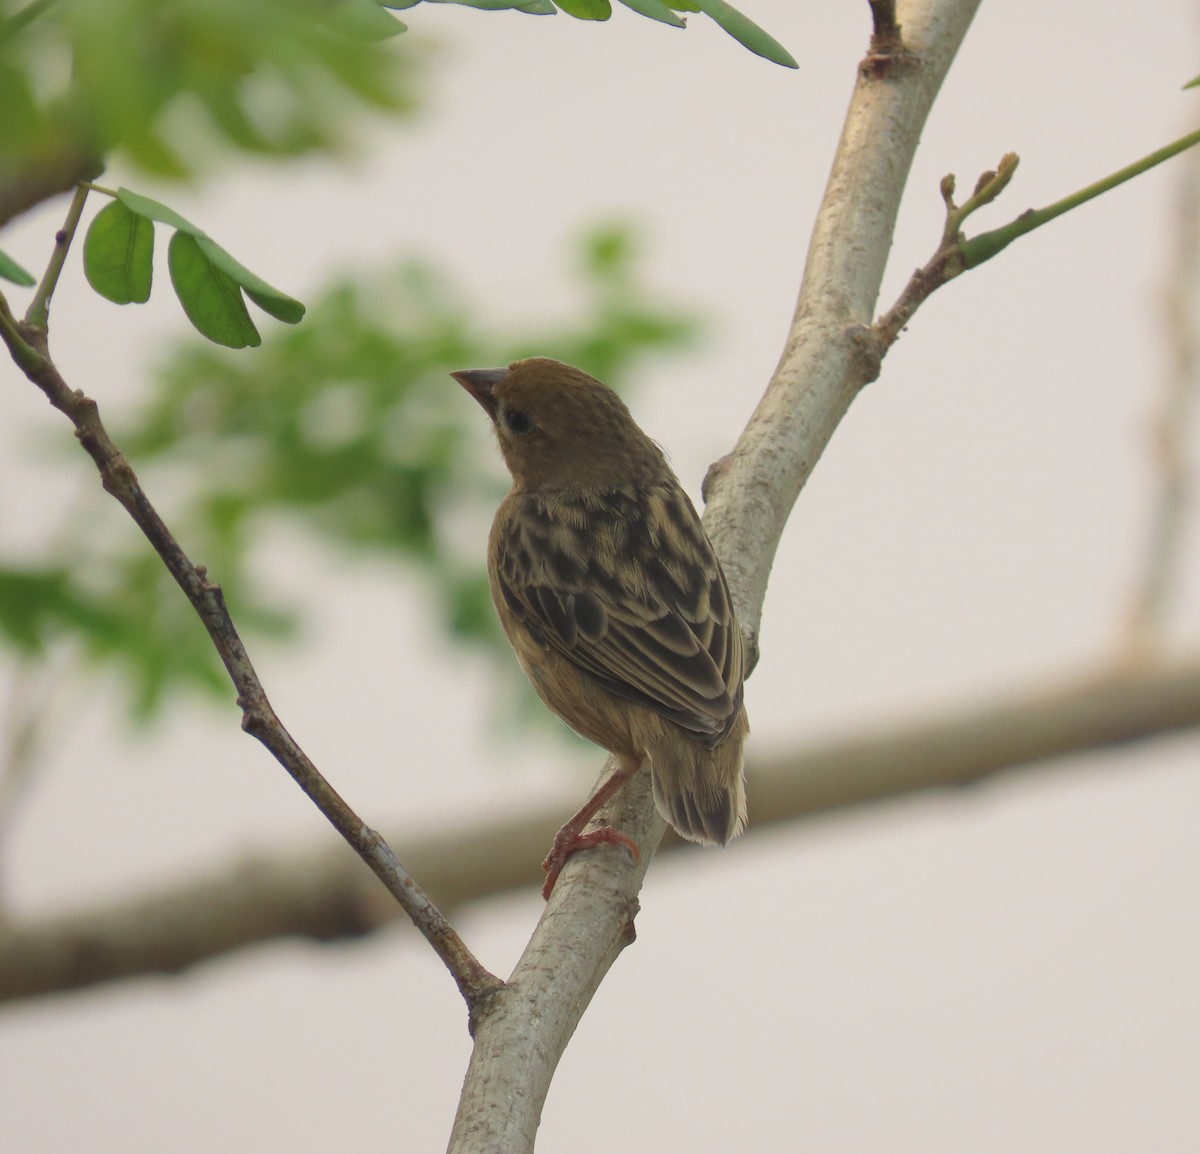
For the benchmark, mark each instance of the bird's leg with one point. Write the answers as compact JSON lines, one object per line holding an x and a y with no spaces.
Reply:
{"x":571,"y":838}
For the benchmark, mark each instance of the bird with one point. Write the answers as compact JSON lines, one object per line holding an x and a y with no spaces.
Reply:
{"x":613,"y":599}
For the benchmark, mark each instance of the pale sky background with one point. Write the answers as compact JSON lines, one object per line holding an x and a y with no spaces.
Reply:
{"x":1013,"y":968}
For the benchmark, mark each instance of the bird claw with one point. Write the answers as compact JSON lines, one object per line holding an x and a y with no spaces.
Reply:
{"x":570,"y":841}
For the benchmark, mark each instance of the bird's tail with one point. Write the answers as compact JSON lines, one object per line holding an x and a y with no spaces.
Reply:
{"x":702,"y":792}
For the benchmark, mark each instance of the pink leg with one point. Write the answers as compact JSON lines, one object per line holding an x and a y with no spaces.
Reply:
{"x":571,"y":838}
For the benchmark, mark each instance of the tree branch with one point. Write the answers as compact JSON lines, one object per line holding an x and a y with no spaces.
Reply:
{"x":37,"y":316}
{"x":957,"y":253}
{"x":827,"y":358}
{"x":830,"y":352}
{"x":324,"y":894}
{"x":28,"y":344}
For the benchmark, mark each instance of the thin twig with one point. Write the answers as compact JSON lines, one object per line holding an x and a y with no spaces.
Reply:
{"x":947,"y":261}
{"x":884,"y":28}
{"x":956,"y":254}
{"x":37,"y":316}
{"x":29,"y":346}
{"x":887,"y":48}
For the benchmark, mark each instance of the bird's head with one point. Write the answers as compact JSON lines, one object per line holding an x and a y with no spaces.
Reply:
{"x":561,"y":430}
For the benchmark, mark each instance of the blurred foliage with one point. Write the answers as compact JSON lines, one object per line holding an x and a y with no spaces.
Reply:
{"x":278,"y":77}
{"x":347,"y":425}
{"x":80,"y":79}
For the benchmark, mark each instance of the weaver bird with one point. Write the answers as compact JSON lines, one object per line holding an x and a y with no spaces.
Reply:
{"x":611,"y":596}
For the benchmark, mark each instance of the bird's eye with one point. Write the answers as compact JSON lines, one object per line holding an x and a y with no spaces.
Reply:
{"x":516,"y":421}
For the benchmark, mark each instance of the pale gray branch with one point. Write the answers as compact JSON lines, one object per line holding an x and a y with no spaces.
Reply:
{"x":827,"y":357}
{"x":326,"y":895}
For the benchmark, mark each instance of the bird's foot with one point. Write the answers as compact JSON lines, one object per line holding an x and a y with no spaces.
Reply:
{"x":571,"y":838}
{"x":570,"y":841}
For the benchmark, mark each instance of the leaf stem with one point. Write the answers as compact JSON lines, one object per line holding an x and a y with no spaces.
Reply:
{"x":956,"y":253}
{"x":985,"y":246}
{"x":91,"y":186}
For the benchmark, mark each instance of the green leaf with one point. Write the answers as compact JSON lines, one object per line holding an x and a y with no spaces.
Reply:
{"x":281,"y":306}
{"x":683,"y":5}
{"x":118,"y":255}
{"x":586,"y":9}
{"x":656,"y":10}
{"x":362,"y":20}
{"x":210,"y":297}
{"x":747,"y":33}
{"x":11,"y":271}
{"x":268,"y":298}
{"x":497,"y":5}
{"x":156,"y":210}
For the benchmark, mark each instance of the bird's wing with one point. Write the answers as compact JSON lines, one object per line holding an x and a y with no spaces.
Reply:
{"x":628,"y":589}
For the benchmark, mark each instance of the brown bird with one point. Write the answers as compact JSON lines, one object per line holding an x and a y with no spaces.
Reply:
{"x":614,"y":601}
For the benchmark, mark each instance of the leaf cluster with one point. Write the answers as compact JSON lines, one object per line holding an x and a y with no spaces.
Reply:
{"x":724,"y":15}
{"x":118,"y":259}
{"x":276,"y":77}
{"x":82,"y":79}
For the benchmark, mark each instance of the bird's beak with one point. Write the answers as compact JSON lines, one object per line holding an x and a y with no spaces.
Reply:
{"x":480,"y":383}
